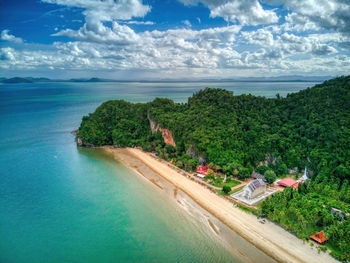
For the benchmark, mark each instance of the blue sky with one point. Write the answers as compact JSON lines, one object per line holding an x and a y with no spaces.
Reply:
{"x":135,"y":39}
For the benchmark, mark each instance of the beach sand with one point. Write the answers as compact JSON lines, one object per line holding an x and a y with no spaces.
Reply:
{"x":270,"y":238}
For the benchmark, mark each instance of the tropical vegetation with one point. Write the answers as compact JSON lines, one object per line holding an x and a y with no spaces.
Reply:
{"x":236,"y":135}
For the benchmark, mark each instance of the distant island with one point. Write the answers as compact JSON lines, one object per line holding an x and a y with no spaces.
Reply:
{"x":32,"y":80}
{"x":94,"y":79}
{"x":241,"y":135}
{"x":16,"y":80}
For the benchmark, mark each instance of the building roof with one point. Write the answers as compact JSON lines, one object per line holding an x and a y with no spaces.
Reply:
{"x":288,"y":182}
{"x":319,"y":237}
{"x":257,"y":176}
{"x":203,"y":170}
{"x":255,"y":184}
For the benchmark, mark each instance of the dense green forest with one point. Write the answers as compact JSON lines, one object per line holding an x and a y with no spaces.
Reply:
{"x":239,"y":134}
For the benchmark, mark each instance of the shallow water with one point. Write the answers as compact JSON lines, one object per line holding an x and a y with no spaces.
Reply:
{"x":59,"y":204}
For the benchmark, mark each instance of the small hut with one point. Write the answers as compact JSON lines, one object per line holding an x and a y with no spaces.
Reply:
{"x":319,"y":237}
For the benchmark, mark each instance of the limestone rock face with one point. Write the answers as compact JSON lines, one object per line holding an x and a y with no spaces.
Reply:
{"x":167,"y":134}
{"x":168,"y":137}
{"x":79,"y":142}
{"x":192,"y":151}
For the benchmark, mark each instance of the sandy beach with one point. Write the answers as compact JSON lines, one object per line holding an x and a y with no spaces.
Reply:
{"x":269,"y":238}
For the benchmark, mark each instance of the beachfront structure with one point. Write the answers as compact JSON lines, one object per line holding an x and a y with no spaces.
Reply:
{"x":288,"y":182}
{"x":319,"y":237}
{"x":254,"y":189}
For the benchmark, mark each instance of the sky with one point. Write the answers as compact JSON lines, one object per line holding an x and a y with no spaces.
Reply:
{"x":175,"y":39}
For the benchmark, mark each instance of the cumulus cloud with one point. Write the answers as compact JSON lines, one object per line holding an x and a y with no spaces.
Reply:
{"x":118,"y":34}
{"x":287,"y":44}
{"x":97,"y":12}
{"x":106,"y":41}
{"x":247,"y":12}
{"x":107,"y":10}
{"x":5,"y":36}
{"x":327,"y":14}
{"x":304,"y":14}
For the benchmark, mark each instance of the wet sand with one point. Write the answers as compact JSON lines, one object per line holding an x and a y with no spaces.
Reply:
{"x":226,"y":223}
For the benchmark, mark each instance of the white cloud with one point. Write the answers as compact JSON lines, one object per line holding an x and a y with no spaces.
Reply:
{"x":106,"y":42}
{"x":118,"y":34}
{"x":261,"y":37}
{"x":108,"y":10}
{"x":247,"y":12}
{"x":287,"y":44}
{"x":7,"y":37}
{"x":140,"y":22}
{"x":327,"y":14}
{"x":187,"y":23}
{"x":97,"y":12}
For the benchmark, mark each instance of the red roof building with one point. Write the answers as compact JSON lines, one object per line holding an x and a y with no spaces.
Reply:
{"x":203,"y":170}
{"x":288,"y":182}
{"x":319,"y":237}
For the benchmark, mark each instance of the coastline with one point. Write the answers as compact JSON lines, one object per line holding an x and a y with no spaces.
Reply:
{"x":269,"y":238}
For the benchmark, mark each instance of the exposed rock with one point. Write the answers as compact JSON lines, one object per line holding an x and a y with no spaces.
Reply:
{"x":192,"y":151}
{"x":168,"y":137}
{"x":167,"y":134}
{"x":79,"y":142}
{"x":201,"y":160}
{"x":153,"y":124}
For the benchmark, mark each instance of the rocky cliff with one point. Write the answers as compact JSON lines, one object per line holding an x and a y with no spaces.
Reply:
{"x":167,"y":134}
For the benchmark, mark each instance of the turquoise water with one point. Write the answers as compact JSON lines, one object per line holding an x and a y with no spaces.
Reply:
{"x":61,"y":204}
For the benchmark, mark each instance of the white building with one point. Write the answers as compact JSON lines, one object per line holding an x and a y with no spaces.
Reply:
{"x":254,"y":189}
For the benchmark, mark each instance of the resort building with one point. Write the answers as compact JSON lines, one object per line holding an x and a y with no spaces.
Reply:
{"x":288,"y":182}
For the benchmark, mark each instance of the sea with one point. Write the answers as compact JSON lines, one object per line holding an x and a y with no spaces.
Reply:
{"x":59,"y":203}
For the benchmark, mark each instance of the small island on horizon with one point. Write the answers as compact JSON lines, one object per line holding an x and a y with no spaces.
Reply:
{"x":292,"y":78}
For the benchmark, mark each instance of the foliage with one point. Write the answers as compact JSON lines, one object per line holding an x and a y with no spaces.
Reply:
{"x":270,"y":176}
{"x":308,"y":211}
{"x":226,"y":189}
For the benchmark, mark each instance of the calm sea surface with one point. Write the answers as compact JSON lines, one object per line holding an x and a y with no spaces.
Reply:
{"x":59,"y":204}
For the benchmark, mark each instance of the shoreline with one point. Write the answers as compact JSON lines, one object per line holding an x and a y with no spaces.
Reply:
{"x":269,"y":238}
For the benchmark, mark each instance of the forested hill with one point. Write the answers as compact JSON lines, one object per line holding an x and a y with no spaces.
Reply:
{"x":239,"y":134}
{"x":309,"y":128}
